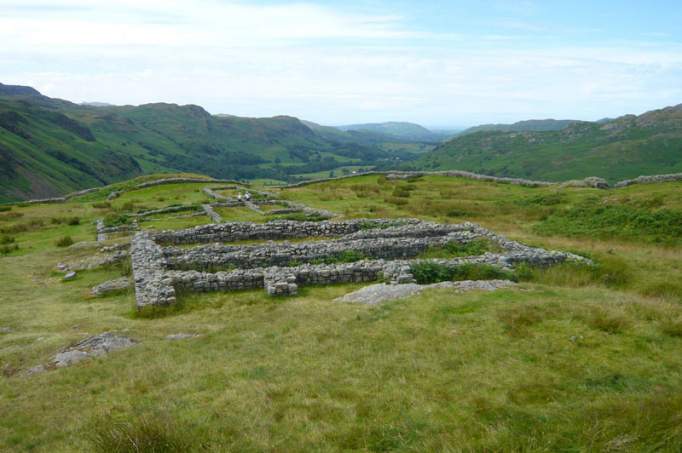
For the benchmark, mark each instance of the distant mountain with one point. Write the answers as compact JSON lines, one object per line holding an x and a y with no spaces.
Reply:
{"x":97,"y":104}
{"x":396,"y":130}
{"x":622,"y":148}
{"x":17,"y":90}
{"x":522,"y":126}
{"x":50,"y":146}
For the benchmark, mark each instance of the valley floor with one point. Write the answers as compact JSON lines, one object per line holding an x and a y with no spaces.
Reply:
{"x":573,"y":359}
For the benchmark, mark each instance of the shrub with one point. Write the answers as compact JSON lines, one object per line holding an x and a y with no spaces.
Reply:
{"x":73,"y":221}
{"x":5,"y":208}
{"x":64,"y":241}
{"x":115,"y":219}
{"x":426,"y":272}
{"x":7,"y":240}
{"x":429,"y":272}
{"x":102,"y":205}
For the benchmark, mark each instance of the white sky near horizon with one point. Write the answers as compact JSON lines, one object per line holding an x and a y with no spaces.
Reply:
{"x":441,"y":64}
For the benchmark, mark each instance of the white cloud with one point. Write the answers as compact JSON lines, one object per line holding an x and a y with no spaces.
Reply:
{"x":319,"y":63}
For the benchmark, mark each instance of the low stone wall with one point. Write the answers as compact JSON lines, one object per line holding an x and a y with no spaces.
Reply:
{"x":166,"y":210}
{"x":214,"y":216}
{"x":158,"y":182}
{"x":101,"y":233}
{"x":392,"y":241}
{"x":283,"y":254}
{"x":277,"y":229}
{"x":455,"y":173}
{"x":152,"y":286}
{"x":650,"y":179}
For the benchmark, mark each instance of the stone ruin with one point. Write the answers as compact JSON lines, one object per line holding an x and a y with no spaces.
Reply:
{"x":163,"y":265}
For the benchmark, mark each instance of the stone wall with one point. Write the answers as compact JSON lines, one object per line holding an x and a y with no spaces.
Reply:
{"x":389,"y":246}
{"x":274,"y":230}
{"x":650,"y":179}
{"x":152,"y":286}
{"x":280,"y":268}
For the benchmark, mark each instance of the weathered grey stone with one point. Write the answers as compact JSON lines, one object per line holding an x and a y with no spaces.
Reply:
{"x":374,"y":294}
{"x":390,"y":246}
{"x":111,"y":286}
{"x":69,"y":276}
{"x":36,"y":370}
{"x":92,"y":347}
{"x":650,"y":179}
{"x":210,"y":212}
{"x":181,"y":336}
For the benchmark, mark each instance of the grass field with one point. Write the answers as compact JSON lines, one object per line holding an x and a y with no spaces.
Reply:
{"x":574,"y":359}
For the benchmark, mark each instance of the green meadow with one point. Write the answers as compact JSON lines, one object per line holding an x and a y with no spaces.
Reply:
{"x":573,"y":359}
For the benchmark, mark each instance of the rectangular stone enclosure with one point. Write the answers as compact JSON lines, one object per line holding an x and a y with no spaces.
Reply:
{"x":327,"y":252}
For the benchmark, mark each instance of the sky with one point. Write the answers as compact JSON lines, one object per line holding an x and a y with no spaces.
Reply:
{"x":443,"y":64}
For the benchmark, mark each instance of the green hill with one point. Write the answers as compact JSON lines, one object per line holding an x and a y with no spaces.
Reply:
{"x":616,"y":149}
{"x":522,"y":126}
{"x":49,"y":146}
{"x":397,"y":131}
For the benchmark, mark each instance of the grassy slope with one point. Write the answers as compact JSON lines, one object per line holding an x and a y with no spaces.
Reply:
{"x":621,"y":149}
{"x":49,"y":147}
{"x":573,"y":361}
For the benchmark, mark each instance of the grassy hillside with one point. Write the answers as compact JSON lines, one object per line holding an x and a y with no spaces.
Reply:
{"x":574,"y":359}
{"x":50,"y":147}
{"x":397,"y":130}
{"x":522,"y":126}
{"x":618,"y":149}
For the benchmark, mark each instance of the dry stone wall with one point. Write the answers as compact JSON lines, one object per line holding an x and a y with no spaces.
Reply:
{"x":389,"y":245}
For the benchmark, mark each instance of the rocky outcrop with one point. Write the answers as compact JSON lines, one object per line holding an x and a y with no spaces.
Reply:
{"x":381,"y":292}
{"x":95,"y":346}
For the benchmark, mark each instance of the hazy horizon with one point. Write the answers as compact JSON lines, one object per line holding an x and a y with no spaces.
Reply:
{"x":438,"y":64}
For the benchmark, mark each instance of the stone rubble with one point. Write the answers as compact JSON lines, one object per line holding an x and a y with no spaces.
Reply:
{"x":111,"y":286}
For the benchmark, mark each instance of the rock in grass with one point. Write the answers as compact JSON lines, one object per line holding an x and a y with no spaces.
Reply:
{"x":97,"y":345}
{"x":35,"y":370}
{"x":111,"y":286}
{"x":374,"y":294}
{"x":69,"y":276}
{"x":181,"y":336}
